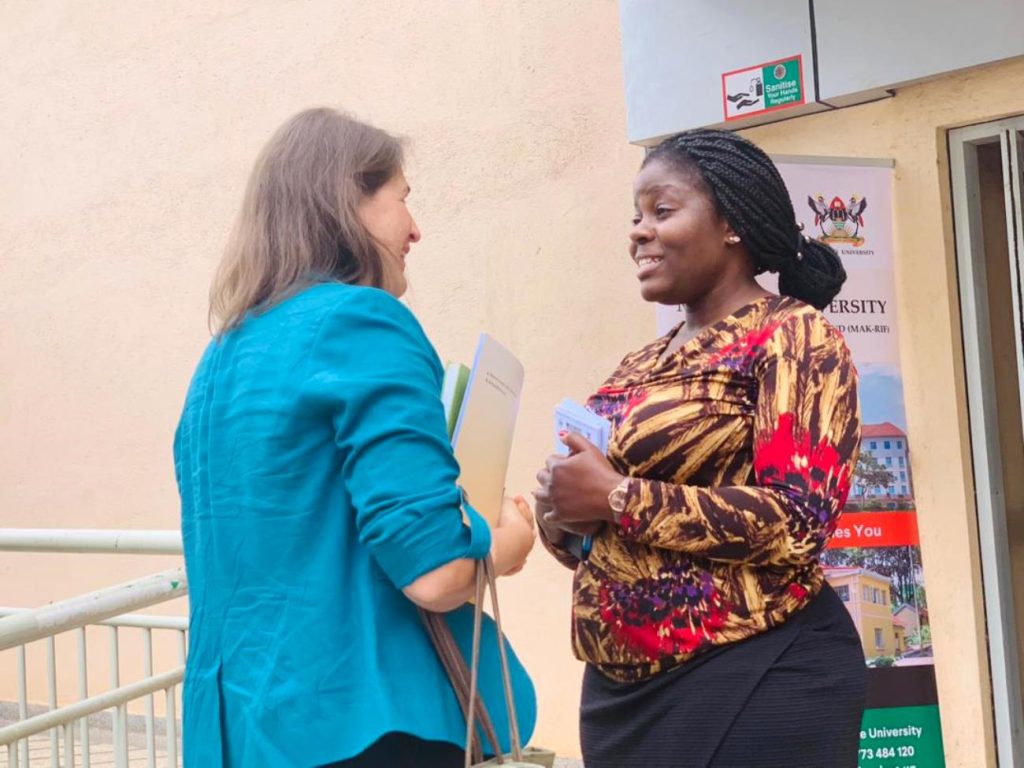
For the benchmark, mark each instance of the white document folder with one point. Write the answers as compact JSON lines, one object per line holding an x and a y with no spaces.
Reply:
{"x":482,"y":440}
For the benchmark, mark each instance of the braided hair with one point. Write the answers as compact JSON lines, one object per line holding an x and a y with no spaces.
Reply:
{"x":749,"y":193}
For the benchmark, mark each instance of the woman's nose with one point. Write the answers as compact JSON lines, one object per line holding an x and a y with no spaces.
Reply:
{"x":414,"y":233}
{"x":641,"y":233}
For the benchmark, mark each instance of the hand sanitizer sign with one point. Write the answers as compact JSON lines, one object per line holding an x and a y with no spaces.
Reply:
{"x":763,"y":88}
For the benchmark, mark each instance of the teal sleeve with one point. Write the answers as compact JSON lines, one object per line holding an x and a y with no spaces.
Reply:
{"x":376,"y":372}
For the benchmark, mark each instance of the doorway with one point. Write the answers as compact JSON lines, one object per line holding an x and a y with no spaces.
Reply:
{"x":987,"y":176}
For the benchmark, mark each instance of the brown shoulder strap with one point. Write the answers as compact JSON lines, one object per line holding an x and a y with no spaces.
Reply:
{"x":464,"y":680}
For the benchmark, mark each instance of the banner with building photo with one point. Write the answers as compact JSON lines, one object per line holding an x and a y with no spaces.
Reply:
{"x":874,"y":560}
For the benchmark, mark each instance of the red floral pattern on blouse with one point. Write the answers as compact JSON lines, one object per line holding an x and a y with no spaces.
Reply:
{"x":741,"y":447}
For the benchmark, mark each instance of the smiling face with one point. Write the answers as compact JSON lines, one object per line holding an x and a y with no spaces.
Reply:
{"x":679,"y":240}
{"x":387,"y":219}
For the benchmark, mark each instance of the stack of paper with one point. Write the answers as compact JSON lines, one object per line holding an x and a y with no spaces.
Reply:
{"x":570,"y":416}
{"x":484,"y":419}
{"x":456,"y":376}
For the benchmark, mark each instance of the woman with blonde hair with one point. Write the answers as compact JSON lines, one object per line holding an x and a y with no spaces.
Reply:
{"x":320,"y":508}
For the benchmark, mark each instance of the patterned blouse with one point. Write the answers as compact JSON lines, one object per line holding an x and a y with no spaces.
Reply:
{"x":741,"y":447}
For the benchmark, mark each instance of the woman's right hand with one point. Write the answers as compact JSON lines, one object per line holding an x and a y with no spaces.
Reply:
{"x":513,"y":536}
{"x":542,"y":496}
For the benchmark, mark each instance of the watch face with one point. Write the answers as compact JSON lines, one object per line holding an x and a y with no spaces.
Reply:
{"x":617,"y":499}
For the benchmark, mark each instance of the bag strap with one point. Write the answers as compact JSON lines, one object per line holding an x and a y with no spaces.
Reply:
{"x":455,"y":667}
{"x":506,"y":675}
{"x":458,"y":674}
{"x":485,"y":577}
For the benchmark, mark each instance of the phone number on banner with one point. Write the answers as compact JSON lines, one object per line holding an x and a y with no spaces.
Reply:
{"x":884,"y":753}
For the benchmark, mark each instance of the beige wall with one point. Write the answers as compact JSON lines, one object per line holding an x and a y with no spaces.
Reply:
{"x":128,"y":130}
{"x":910,"y":128}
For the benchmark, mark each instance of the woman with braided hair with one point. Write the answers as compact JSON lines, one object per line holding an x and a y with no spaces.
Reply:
{"x":710,"y":635}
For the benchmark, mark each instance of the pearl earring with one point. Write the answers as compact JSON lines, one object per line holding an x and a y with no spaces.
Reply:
{"x":732,"y":239}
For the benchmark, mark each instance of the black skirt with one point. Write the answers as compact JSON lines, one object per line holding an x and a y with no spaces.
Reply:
{"x":792,"y":696}
{"x":402,"y":750}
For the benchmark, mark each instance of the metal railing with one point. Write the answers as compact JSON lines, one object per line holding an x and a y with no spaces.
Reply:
{"x":90,"y":540}
{"x":109,"y":607}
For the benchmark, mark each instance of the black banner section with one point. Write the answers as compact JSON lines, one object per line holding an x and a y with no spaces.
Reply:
{"x":902,"y":687}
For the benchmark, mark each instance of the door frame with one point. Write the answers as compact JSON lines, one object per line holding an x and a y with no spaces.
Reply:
{"x":990,"y":502}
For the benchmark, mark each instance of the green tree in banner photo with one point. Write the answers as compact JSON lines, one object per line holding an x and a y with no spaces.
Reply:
{"x":871,"y":474}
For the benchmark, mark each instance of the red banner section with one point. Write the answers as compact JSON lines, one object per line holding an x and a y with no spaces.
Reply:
{"x":875,"y":529}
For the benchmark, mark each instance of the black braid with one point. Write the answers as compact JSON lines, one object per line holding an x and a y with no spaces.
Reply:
{"x":750,"y":194}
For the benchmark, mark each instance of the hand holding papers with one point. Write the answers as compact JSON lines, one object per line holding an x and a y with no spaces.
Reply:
{"x":570,"y":416}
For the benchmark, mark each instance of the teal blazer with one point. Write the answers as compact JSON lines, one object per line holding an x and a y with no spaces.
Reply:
{"x":317,"y":481}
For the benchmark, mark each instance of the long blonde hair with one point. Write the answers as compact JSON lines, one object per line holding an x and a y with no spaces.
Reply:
{"x":298,"y":223}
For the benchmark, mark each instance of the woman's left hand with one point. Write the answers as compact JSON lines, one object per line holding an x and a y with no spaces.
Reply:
{"x":579,"y":484}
